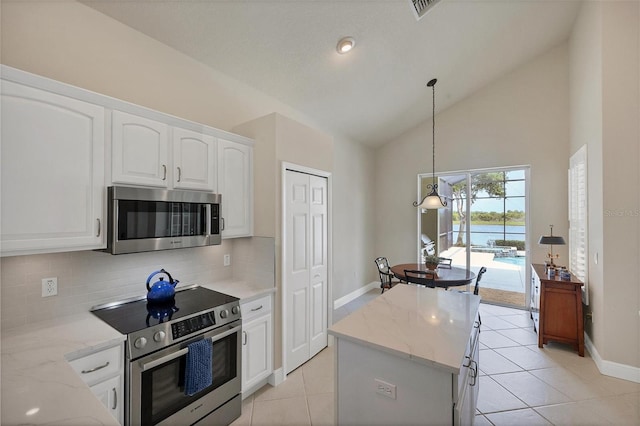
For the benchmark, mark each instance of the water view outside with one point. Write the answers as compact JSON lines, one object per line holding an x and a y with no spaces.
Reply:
{"x":486,"y":235}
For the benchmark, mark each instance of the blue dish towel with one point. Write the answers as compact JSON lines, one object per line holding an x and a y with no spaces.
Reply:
{"x":198,"y":371}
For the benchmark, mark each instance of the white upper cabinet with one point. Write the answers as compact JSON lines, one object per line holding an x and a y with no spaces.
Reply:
{"x":62,"y":145}
{"x":140,"y":154}
{"x":194,"y":160}
{"x":235,"y":183}
{"x":150,"y":153}
{"x":52,"y":171}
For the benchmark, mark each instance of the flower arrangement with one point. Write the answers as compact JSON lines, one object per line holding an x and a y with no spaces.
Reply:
{"x":431,"y":262}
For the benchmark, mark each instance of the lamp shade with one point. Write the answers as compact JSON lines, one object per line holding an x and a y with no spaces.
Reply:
{"x":553,"y":240}
{"x":432,"y":201}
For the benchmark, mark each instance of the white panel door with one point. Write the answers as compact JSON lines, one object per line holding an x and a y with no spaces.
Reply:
{"x":194,"y":160}
{"x":52,"y":172}
{"x":140,"y":150}
{"x":297,"y":253}
{"x":306,"y":267}
{"x":318,"y":263}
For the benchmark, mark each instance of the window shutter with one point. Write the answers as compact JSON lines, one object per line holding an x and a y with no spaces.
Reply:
{"x":578,"y":224}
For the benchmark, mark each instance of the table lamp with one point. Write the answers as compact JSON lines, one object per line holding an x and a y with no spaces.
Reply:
{"x":551,"y":240}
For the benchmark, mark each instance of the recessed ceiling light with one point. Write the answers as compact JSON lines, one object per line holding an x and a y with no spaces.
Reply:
{"x":345,"y":44}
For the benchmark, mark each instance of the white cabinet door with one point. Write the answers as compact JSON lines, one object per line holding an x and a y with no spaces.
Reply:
{"x":110,"y":393}
{"x":194,"y":160}
{"x":140,"y":154}
{"x":256,"y":351}
{"x":52,"y":172}
{"x":235,"y":183}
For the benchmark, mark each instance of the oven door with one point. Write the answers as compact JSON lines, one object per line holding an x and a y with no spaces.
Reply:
{"x":156,"y":392}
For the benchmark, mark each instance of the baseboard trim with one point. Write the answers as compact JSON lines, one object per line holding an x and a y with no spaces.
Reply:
{"x":610,"y":368}
{"x":355,"y":294}
{"x":276,"y":377}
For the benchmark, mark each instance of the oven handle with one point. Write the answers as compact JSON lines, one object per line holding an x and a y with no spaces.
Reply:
{"x":184,"y":351}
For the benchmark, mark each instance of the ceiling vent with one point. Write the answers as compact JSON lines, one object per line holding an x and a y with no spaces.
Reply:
{"x":421,"y":7}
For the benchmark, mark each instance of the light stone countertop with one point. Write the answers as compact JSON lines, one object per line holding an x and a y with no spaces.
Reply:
{"x":429,"y":326}
{"x":243,"y":290}
{"x":39,"y":385}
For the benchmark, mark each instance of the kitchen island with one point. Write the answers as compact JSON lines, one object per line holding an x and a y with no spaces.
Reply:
{"x":408,"y":357}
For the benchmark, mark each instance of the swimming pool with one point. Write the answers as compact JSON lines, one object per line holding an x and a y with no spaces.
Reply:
{"x":520,"y":260}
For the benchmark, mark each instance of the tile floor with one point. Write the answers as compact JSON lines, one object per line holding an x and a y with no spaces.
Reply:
{"x":520,"y":384}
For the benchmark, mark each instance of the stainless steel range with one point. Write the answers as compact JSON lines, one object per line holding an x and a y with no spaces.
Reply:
{"x":159,"y":370}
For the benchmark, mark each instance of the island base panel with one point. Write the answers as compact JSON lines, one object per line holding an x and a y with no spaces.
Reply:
{"x":423,"y":393}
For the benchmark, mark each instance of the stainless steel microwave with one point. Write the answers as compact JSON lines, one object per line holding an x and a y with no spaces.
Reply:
{"x":146,"y":219}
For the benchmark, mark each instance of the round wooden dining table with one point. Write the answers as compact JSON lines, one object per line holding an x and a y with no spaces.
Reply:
{"x":445,"y":276}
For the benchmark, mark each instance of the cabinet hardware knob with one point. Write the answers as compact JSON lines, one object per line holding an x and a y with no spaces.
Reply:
{"x":256,"y":309}
{"x":115,"y":399}
{"x":244,"y":337}
{"x":179,"y":174}
{"x":99,"y":228}
{"x":164,"y":169}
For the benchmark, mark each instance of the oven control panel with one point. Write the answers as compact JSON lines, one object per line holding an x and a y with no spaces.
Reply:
{"x":191,"y":325}
{"x":162,"y":335}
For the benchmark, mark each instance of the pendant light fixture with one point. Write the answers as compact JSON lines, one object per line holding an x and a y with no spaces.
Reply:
{"x":433,"y":199}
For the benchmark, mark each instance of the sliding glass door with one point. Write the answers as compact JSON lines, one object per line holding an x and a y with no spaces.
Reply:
{"x":484,"y":224}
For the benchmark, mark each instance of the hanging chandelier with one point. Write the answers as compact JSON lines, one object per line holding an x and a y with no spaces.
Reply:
{"x":433,"y":199}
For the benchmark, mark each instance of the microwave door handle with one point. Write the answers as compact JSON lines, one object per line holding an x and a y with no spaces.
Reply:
{"x":206,"y":211}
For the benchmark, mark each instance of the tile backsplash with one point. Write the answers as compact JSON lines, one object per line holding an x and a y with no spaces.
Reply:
{"x":89,"y":278}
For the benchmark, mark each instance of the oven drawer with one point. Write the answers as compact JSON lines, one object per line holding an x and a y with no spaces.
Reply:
{"x":100,"y":365}
{"x":256,"y":308}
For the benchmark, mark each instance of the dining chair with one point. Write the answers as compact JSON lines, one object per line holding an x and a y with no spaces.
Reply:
{"x":478,"y":278}
{"x":387,"y":279}
{"x":426,"y":278}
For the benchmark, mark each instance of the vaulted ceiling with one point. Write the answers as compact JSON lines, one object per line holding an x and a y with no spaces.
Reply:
{"x":287,"y":49}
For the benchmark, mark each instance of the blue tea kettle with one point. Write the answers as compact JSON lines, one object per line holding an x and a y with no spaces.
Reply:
{"x":161,"y":290}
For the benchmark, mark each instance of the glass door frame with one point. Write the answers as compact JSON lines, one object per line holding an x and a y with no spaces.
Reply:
{"x":468,"y":174}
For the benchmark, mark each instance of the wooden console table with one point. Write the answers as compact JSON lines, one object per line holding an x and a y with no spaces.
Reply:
{"x":556,"y":309}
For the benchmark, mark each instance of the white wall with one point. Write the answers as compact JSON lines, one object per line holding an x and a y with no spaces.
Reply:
{"x":586,"y":128}
{"x":521,"y":119}
{"x":621,"y":146}
{"x":354,"y":234}
{"x":605,"y":105}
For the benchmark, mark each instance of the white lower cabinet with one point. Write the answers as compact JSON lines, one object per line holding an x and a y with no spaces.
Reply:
{"x":103,"y":372}
{"x":109,"y":392}
{"x":257,"y":344}
{"x":468,"y":387}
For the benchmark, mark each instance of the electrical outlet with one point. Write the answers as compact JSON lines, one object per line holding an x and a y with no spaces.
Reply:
{"x":384,"y":388}
{"x":49,"y":287}
{"x":227,"y":259}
